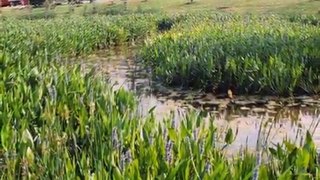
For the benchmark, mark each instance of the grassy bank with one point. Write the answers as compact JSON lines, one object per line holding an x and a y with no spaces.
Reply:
{"x":59,"y":123}
{"x":253,"y":55}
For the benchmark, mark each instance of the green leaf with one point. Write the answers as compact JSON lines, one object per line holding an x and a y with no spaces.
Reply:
{"x":29,"y":156}
{"x":309,"y":144}
{"x":187,"y":170}
{"x":5,"y":137}
{"x":286,"y":175}
{"x":117,"y":174}
{"x":263,"y":172}
{"x":289,"y":146}
{"x":309,"y":138}
{"x":152,"y":109}
{"x":176,"y":169}
{"x":273,"y":152}
{"x":229,"y":137}
{"x":27,"y":138}
{"x":293,"y":155}
{"x":218,"y":169}
{"x":184,"y":131}
{"x":303,"y":158}
{"x":304,"y":176}
{"x":172,"y":134}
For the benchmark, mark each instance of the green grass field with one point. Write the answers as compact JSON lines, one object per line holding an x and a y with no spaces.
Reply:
{"x":310,"y":7}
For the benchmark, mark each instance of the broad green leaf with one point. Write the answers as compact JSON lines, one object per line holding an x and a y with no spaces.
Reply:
{"x":229,"y":136}
{"x":176,"y":169}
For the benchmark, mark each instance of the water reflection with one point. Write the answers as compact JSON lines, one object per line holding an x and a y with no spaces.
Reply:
{"x":281,"y":118}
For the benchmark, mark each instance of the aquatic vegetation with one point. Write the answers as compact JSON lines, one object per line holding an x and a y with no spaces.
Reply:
{"x":74,"y":35}
{"x":252,"y":55}
{"x":59,"y":122}
{"x":305,"y":19}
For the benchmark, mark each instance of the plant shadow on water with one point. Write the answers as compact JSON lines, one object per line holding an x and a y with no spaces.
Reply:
{"x":285,"y":118}
{"x":60,"y":122}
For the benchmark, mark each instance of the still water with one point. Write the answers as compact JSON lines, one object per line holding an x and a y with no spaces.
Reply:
{"x":282,"y":118}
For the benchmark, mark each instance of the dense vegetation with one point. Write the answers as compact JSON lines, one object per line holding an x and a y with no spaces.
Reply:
{"x":250,"y":55}
{"x":72,"y":36}
{"x":57,"y":122}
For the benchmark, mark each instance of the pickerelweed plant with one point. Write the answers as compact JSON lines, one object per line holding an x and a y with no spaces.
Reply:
{"x":73,"y":36}
{"x":250,"y":54}
{"x":60,"y":123}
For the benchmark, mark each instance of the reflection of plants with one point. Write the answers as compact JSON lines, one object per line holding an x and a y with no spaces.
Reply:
{"x":57,"y":122}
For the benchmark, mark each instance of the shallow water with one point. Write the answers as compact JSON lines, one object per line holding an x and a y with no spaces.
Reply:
{"x":283,"y":117}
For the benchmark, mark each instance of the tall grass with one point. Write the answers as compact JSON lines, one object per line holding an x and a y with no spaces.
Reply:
{"x":251,"y":55}
{"x":60,"y":123}
{"x":74,"y":35}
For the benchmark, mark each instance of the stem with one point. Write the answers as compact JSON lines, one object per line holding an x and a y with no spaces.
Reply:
{"x":193,"y":164}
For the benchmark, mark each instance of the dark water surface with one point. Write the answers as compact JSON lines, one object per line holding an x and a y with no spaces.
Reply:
{"x":282,"y":117}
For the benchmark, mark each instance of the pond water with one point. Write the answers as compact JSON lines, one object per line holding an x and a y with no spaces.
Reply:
{"x":282,"y":117}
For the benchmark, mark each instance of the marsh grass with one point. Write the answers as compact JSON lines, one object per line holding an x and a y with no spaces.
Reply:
{"x":60,"y":123}
{"x":250,"y":55}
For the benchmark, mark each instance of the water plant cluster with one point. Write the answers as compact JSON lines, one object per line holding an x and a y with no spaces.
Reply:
{"x":73,"y":36}
{"x":252,"y":55}
{"x":60,"y":123}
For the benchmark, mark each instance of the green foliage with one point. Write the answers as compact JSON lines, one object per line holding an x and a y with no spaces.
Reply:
{"x":58,"y":122}
{"x":122,"y":9}
{"x":256,"y":55}
{"x":41,"y":15}
{"x":305,"y":19}
{"x":74,"y":35}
